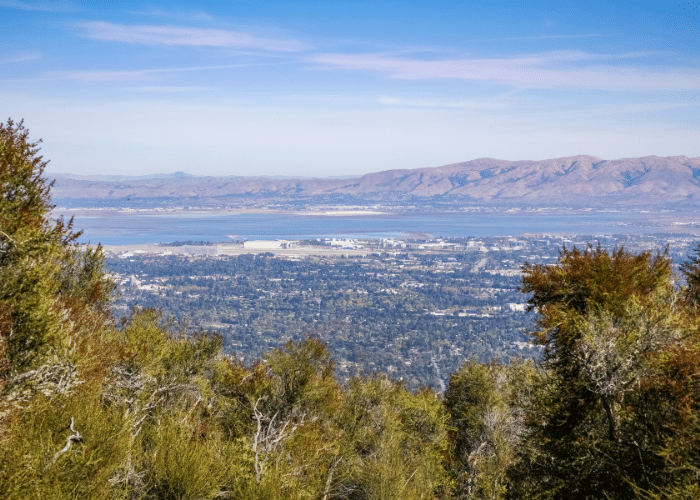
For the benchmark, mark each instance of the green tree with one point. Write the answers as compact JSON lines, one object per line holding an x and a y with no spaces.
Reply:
{"x":485,"y":403}
{"x":53,"y":297}
{"x":691,"y":272}
{"x":603,"y":318}
{"x":43,"y":272}
{"x":393,"y":443}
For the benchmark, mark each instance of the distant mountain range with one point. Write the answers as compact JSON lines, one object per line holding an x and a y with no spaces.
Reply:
{"x":572,"y":181}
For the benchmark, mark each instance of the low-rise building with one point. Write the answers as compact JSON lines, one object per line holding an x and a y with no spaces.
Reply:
{"x":268,"y":244}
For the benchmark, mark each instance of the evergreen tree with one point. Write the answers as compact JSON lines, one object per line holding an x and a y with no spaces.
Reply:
{"x":43,"y":272}
{"x":603,"y":319}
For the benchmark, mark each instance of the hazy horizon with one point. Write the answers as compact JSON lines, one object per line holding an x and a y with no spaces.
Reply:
{"x":180,"y":173}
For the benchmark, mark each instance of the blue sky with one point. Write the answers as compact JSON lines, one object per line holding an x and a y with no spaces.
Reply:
{"x":314,"y":88}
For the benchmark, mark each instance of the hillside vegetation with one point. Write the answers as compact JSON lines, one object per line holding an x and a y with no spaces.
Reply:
{"x":147,"y":409}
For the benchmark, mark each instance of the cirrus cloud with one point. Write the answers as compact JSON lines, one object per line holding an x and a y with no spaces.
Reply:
{"x":96,"y":76}
{"x":183,"y":36}
{"x":548,"y":70}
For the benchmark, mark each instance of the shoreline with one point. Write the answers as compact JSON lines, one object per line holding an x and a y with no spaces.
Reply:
{"x":342,"y":211}
{"x":109,"y":212}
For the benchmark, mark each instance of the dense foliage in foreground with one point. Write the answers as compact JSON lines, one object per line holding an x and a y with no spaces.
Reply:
{"x":146,"y":409}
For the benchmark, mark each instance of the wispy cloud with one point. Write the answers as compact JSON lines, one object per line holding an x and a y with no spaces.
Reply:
{"x":183,"y":36}
{"x":550,"y":70}
{"x":15,"y":58}
{"x":167,"y":89}
{"x":91,"y":76}
{"x":549,"y":37}
{"x":441,"y":104}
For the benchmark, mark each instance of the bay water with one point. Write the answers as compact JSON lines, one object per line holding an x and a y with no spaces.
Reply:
{"x":146,"y":228}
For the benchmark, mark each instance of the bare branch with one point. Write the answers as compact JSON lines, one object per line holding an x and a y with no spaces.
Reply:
{"x":268,"y":437}
{"x":74,"y":438}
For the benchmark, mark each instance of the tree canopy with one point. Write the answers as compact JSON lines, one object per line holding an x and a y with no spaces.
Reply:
{"x":44,"y":275}
{"x":602,"y":413}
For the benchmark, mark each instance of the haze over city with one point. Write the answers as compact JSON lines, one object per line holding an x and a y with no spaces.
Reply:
{"x":309,"y":89}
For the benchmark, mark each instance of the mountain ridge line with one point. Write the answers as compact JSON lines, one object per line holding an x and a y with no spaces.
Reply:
{"x":589,"y":179}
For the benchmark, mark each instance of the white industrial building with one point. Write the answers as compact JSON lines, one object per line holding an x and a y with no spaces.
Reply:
{"x":268,"y":244}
